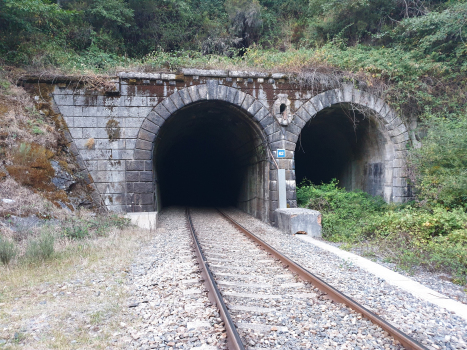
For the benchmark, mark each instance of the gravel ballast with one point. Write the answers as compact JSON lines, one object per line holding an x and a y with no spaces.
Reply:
{"x":433,"y":326}
{"x":168,"y":294}
{"x":270,"y":307}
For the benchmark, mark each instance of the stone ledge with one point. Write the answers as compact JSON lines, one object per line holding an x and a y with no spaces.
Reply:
{"x":205,"y":72}
{"x":217,"y":73}
{"x":292,"y":220}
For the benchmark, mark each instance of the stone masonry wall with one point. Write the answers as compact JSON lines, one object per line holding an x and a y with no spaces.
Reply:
{"x":114,"y":132}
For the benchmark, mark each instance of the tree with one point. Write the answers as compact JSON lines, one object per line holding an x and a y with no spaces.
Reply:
{"x":245,"y":19}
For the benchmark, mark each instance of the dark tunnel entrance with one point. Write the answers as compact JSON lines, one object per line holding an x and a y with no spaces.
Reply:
{"x":341,"y":143}
{"x":210,"y":154}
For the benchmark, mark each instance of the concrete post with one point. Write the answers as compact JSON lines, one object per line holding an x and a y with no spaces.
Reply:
{"x":282,"y":188}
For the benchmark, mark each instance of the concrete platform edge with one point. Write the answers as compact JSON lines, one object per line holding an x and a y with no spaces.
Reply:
{"x":394,"y":278}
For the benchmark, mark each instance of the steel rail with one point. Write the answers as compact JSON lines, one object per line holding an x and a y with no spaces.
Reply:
{"x":407,"y":341}
{"x":233,"y":338}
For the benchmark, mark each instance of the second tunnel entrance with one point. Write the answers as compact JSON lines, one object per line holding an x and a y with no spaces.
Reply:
{"x":343,"y":144}
{"x":211,"y":153}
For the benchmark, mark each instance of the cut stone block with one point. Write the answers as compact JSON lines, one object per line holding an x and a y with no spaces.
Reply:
{"x":147,"y":220}
{"x":293,"y":220}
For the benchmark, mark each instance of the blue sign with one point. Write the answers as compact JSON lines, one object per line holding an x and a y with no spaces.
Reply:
{"x":281,"y":153}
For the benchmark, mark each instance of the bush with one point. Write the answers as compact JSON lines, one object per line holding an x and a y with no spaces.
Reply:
{"x":422,"y":224}
{"x":41,"y":248}
{"x":76,"y":229}
{"x":80,"y":228}
{"x":345,"y":214}
{"x":7,"y":251}
{"x":435,"y":239}
{"x":439,"y":166}
{"x":408,"y":235}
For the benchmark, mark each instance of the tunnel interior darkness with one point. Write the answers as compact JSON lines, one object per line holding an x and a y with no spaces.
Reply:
{"x":341,"y":143}
{"x":204,"y":154}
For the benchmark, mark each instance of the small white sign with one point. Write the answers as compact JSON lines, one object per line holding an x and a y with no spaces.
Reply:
{"x":281,"y":153}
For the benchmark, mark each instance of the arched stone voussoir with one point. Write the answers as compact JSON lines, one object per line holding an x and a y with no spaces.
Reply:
{"x":306,"y":112}
{"x":177,"y":100}
{"x":161,"y":111}
{"x":348,"y":94}
{"x":146,"y":135}
{"x":150,"y":126}
{"x":185,"y":96}
{"x":255,"y":108}
{"x":213,"y":91}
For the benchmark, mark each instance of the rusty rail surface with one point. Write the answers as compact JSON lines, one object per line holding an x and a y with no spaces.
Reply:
{"x":233,"y":338}
{"x":407,"y":341}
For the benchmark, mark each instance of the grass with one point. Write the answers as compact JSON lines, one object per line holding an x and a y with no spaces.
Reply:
{"x":8,"y":251}
{"x":75,"y":299}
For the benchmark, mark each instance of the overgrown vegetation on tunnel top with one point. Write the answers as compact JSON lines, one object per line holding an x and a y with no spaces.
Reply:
{"x":409,"y":52}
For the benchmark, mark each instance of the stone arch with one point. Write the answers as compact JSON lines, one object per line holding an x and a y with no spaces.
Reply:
{"x":396,"y":188}
{"x":140,"y":173}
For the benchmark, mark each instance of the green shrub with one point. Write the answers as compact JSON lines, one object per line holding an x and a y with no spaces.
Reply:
{"x":345,"y":214}
{"x":41,"y":248}
{"x":80,"y":228}
{"x":7,"y":251}
{"x":408,"y":235}
{"x":422,"y":224}
{"x":440,"y":165}
{"x":101,"y":225}
{"x":76,"y":229}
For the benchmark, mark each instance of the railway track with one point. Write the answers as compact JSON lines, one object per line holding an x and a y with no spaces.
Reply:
{"x":267,"y":301}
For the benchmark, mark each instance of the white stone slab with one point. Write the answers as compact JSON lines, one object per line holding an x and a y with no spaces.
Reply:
{"x":146,"y":220}
{"x":197,"y":324}
{"x":246,"y":285}
{"x":261,"y":327}
{"x":253,"y":296}
{"x":291,"y":285}
{"x":251,"y":308}
{"x":205,"y":347}
{"x":409,"y":285}
{"x":191,"y":307}
{"x":293,"y":220}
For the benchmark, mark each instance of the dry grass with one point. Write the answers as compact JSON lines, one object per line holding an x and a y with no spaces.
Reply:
{"x":75,"y":301}
{"x":19,"y":120}
{"x":90,"y":143}
{"x":26,"y":202}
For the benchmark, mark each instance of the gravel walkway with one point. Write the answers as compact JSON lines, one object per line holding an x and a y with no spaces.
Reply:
{"x":168,"y":295}
{"x":434,"y":327}
{"x":439,"y":282}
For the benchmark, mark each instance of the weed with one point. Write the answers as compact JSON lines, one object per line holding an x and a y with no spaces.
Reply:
{"x":18,"y":337}
{"x":90,"y":143}
{"x":80,"y":228}
{"x":36,"y":130}
{"x":8,"y":251}
{"x":96,"y":317}
{"x":347,"y":265}
{"x":76,"y":229}
{"x":42,"y":248}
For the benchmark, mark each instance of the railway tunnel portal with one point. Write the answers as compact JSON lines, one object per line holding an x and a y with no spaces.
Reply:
{"x":212,"y":137}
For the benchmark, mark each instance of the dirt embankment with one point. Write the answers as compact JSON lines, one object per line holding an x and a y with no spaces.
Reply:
{"x":39,"y":177}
